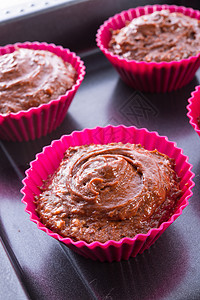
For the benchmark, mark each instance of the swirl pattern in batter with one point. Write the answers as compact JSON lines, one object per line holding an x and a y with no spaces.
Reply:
{"x":30,"y":77}
{"x":160,"y":36}
{"x":103,"y":192}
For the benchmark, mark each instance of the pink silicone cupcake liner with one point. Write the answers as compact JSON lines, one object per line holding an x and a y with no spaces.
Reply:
{"x":41,"y":120}
{"x":47,"y":162}
{"x":194,"y":109}
{"x":148,"y":76}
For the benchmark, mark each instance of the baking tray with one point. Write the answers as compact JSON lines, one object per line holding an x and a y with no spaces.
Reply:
{"x":36,"y":266}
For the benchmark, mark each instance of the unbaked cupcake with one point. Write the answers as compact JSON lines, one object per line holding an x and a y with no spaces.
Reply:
{"x":129,"y":217}
{"x":37,"y":84}
{"x":154,"y":48}
{"x":108,"y":192}
{"x":194,"y":109}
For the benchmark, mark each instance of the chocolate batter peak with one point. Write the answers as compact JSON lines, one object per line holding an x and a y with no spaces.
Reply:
{"x":160,"y":36}
{"x":29,"y":78}
{"x":103,"y":192}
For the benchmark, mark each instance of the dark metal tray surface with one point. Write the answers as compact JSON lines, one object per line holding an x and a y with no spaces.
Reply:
{"x":36,"y":266}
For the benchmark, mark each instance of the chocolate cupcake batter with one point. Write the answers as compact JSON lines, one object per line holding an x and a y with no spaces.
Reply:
{"x":103,"y":192}
{"x":29,"y":78}
{"x":160,"y":36}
